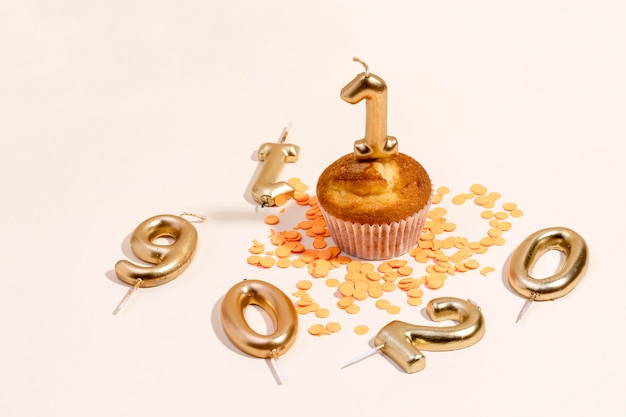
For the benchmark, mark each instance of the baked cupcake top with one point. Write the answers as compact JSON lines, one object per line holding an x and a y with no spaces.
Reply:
{"x":377,"y":191}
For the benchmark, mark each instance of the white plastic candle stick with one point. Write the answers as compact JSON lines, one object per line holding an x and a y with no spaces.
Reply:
{"x":279,"y":370}
{"x":363,"y":356}
{"x":524,"y":309}
{"x":129,"y":294}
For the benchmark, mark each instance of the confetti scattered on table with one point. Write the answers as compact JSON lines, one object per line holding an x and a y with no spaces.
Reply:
{"x":439,"y":254}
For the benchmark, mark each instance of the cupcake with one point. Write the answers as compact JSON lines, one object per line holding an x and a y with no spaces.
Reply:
{"x":376,"y":199}
{"x":375,"y":209}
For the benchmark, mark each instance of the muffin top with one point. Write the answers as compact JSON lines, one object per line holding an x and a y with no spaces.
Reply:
{"x":377,"y":191}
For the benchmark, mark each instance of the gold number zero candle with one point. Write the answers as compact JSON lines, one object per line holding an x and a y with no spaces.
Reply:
{"x":275,"y":304}
{"x":526,"y":255}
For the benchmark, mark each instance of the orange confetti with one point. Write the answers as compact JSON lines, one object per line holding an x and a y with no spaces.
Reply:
{"x":361,"y":329}
{"x":272,"y":220}
{"x":438,"y":253}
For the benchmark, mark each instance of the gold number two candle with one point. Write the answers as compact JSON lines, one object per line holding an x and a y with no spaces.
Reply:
{"x":403,"y":342}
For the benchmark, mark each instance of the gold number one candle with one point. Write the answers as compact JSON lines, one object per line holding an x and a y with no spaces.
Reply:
{"x":403,"y":342}
{"x":276,"y":305}
{"x":274,"y":155}
{"x":168,"y":260}
{"x":372,"y":89}
{"x":526,"y":255}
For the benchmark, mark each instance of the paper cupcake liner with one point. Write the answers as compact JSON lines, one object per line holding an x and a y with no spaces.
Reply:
{"x":377,"y":241}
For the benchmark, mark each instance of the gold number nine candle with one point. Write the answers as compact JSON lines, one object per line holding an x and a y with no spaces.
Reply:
{"x":168,"y":260}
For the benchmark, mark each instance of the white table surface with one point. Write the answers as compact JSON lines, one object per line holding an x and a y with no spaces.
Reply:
{"x":111,"y":112}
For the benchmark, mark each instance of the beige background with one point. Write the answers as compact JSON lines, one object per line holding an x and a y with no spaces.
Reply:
{"x":111,"y":112}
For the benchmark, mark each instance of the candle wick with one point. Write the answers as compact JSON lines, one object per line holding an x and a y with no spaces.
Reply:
{"x":199,"y":216}
{"x":526,"y":306}
{"x":278,"y":368}
{"x":367,"y":69}
{"x":284,"y":133}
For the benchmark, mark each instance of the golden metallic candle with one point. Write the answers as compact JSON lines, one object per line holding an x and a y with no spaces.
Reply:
{"x":372,"y":89}
{"x":169,"y":260}
{"x":274,"y":156}
{"x":403,"y":342}
{"x":526,"y":255}
{"x":277,"y":306}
